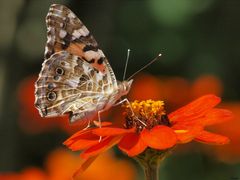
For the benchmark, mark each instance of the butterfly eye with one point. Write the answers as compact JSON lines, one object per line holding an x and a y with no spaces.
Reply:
{"x":52,"y":96}
{"x":59,"y":71}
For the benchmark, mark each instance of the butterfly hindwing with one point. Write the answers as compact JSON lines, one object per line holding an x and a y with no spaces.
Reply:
{"x":67,"y":84}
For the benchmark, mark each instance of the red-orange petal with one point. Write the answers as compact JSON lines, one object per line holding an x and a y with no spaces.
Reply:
{"x":111,"y":131}
{"x":186,"y":134}
{"x":159,"y":137}
{"x":82,"y":144}
{"x":216,"y":115}
{"x":195,"y":109}
{"x":100,"y":147}
{"x":213,"y":116}
{"x":132,"y":144}
{"x":81,"y":140}
{"x":82,"y":134}
{"x":212,"y":138}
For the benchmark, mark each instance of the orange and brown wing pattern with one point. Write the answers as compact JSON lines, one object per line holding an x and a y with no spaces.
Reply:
{"x":65,"y":31}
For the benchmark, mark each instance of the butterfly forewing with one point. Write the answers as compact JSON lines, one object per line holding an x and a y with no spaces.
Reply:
{"x":66,"y":32}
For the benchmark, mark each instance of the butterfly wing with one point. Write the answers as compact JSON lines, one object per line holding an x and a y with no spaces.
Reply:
{"x":68,"y":84}
{"x":65,"y":31}
{"x":87,"y":80}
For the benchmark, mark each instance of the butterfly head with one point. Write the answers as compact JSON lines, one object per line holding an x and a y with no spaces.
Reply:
{"x":125,"y":86}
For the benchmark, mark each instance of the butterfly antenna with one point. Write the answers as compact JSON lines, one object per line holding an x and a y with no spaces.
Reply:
{"x":125,"y":68}
{"x":148,"y":64}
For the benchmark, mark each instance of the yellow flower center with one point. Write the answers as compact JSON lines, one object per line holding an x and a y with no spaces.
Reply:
{"x":148,"y":108}
{"x":145,"y":114}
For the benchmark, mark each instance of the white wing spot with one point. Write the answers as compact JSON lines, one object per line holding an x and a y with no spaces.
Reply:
{"x":86,"y":68}
{"x":62,"y":33}
{"x":46,"y":49}
{"x":84,"y":31}
{"x":76,"y":33}
{"x":89,"y":55}
{"x":71,"y":15}
{"x":101,"y":53}
{"x":73,"y":82}
{"x":99,"y":76}
{"x":50,"y":13}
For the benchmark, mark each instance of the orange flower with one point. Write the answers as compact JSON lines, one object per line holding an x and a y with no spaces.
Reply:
{"x":151,"y":127}
{"x":151,"y":87}
{"x":26,"y":174}
{"x":60,"y":164}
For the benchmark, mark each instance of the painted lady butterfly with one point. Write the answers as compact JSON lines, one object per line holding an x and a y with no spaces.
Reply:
{"x":76,"y":77}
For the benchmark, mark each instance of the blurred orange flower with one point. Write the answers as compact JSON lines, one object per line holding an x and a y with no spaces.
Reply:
{"x":206,"y":84}
{"x":146,"y":86}
{"x":151,"y":127}
{"x":60,"y":165}
{"x":29,"y":173}
{"x":176,"y":91}
{"x":231,"y":152}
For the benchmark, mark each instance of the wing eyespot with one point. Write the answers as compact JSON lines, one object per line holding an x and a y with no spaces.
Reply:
{"x":51,"y":96}
{"x":56,"y":78}
{"x":59,"y":71}
{"x":51,"y":86}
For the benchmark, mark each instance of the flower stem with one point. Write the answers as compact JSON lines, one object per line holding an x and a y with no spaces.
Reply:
{"x":150,"y":160}
{"x":151,"y":171}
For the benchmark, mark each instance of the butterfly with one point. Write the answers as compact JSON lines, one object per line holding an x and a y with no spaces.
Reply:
{"x":76,"y":78}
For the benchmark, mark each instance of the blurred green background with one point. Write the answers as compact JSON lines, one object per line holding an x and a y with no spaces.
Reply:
{"x":195,"y":37}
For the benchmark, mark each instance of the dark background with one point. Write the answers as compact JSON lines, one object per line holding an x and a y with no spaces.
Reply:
{"x":195,"y":37}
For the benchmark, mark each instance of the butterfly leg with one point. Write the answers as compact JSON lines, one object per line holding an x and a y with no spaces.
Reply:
{"x":100,"y":122}
{"x":127,"y":101}
{"x":88,"y":125}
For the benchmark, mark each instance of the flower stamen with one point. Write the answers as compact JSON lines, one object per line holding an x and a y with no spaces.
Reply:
{"x":147,"y":114}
